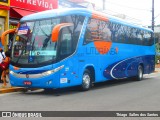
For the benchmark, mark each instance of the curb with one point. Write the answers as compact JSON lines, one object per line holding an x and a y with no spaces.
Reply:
{"x":156,"y":71}
{"x":11,"y":89}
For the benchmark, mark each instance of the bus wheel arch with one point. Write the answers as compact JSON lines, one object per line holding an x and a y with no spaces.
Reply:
{"x":88,"y":78}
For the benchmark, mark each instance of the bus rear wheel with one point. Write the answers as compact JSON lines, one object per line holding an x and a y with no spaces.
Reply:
{"x":86,"y":80}
{"x":140,"y":73}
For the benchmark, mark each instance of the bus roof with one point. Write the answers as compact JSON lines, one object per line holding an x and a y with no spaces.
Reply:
{"x":79,"y":11}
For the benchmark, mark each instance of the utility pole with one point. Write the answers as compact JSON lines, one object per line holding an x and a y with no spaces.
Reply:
{"x":104,"y":2}
{"x":153,"y":15}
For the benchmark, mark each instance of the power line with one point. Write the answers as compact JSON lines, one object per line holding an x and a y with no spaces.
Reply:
{"x":153,"y":15}
{"x":149,"y":10}
{"x":111,"y":12}
{"x":127,"y":18}
{"x":121,"y":15}
{"x":157,"y":16}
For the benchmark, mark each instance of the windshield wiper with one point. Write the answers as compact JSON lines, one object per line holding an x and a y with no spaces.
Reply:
{"x":20,"y":55}
{"x":22,"y":50}
{"x":32,"y":50}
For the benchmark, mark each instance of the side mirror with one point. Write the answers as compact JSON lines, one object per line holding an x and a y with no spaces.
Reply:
{"x":56,"y":30}
{"x":5,"y":33}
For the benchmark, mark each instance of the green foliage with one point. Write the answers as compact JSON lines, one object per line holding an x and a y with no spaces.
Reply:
{"x":158,"y":47}
{"x":157,"y":58}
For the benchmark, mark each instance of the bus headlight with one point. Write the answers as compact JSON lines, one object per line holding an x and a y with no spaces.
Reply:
{"x":52,"y":71}
{"x":47,"y":73}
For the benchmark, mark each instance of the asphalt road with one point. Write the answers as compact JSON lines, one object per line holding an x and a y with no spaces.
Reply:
{"x":119,"y":95}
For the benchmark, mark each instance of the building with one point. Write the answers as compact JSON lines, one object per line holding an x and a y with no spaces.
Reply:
{"x":11,"y":11}
{"x":4,"y":15}
{"x":20,"y":8}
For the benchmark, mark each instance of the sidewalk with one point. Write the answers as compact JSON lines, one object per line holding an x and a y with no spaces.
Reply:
{"x":157,"y":68}
{"x":9,"y":89}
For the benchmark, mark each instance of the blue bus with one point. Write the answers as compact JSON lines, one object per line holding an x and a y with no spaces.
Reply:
{"x":78,"y":47}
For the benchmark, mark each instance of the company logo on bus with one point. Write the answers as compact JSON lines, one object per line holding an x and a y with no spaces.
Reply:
{"x":103,"y":47}
{"x":102,"y":50}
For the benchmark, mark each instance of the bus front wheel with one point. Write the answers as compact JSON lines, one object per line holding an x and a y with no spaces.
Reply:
{"x":140,"y":73}
{"x":86,"y":80}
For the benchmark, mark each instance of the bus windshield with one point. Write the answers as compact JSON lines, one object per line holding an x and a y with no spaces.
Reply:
{"x":32,"y":44}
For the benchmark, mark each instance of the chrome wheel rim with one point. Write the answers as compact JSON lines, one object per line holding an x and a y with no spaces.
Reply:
{"x":86,"y":81}
{"x":140,"y":73}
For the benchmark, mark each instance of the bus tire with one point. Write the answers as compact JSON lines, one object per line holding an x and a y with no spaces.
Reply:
{"x":25,"y":90}
{"x":86,"y":80}
{"x":140,"y":73}
{"x":48,"y":90}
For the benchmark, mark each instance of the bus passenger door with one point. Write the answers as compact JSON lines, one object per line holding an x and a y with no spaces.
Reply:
{"x":68,"y":59}
{"x":69,"y":74}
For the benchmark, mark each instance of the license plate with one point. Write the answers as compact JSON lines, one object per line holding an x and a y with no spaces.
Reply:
{"x":27,"y":83}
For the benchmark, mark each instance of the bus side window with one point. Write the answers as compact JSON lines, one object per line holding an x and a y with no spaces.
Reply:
{"x":148,"y":39}
{"x":65,"y":43}
{"x":97,"y":30}
{"x":88,"y":37}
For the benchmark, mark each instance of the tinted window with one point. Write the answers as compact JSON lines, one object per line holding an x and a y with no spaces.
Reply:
{"x":97,"y":30}
{"x":124,"y":34}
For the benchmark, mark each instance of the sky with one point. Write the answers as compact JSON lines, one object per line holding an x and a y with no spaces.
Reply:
{"x":138,"y":11}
